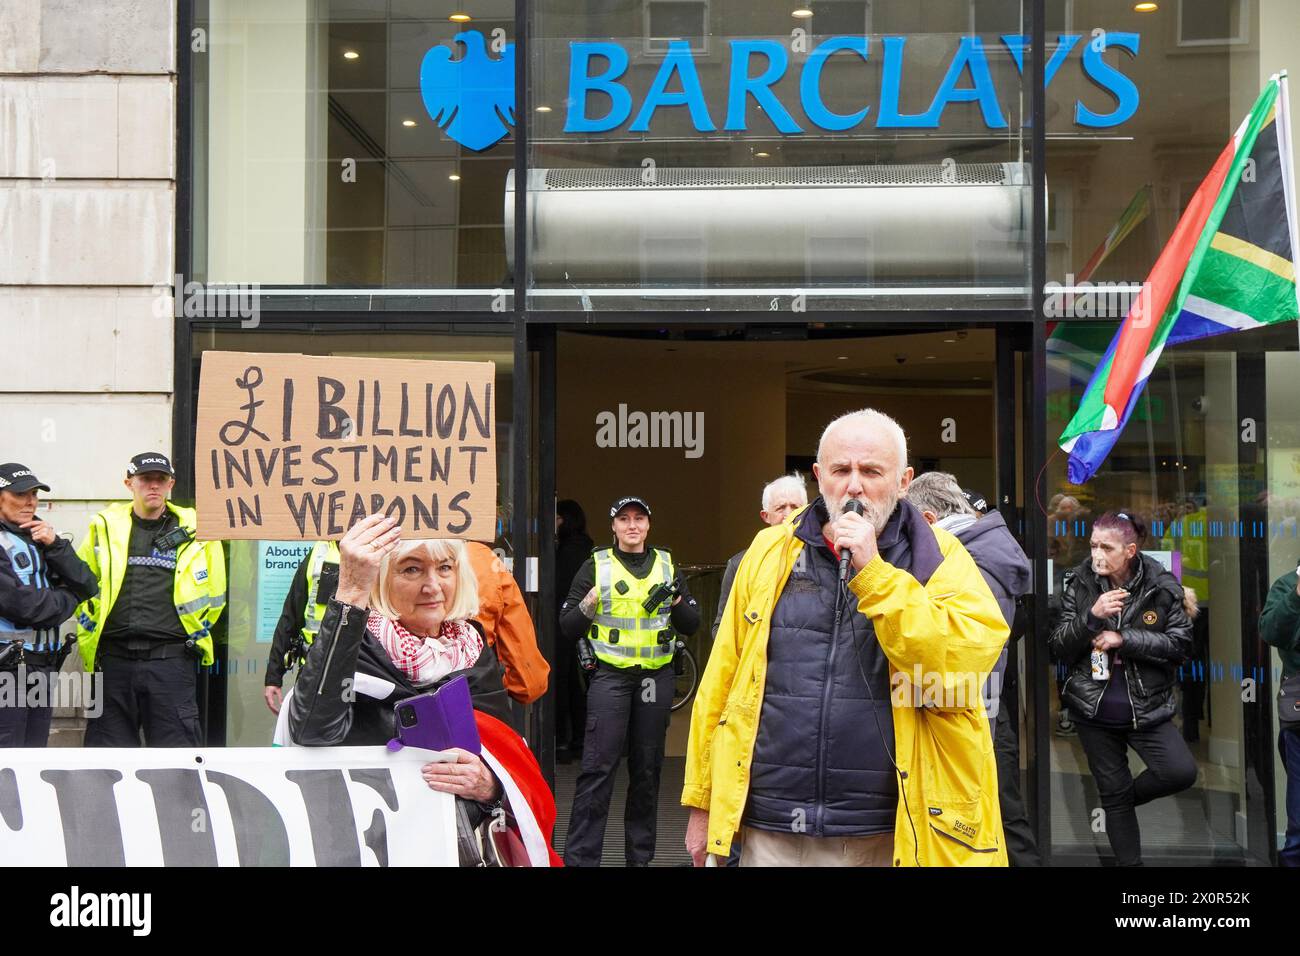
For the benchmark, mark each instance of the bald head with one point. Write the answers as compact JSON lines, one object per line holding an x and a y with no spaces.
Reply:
{"x":870,"y":420}
{"x":863,"y":455}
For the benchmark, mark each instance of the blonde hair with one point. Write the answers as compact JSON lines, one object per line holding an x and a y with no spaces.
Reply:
{"x":463,"y":603}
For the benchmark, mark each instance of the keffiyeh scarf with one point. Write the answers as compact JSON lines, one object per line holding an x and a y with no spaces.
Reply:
{"x":427,"y":659}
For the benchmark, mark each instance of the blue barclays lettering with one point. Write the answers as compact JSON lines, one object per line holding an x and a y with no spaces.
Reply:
{"x":1111,"y":80}
{"x":970,"y":57}
{"x":810,"y":92}
{"x":679,"y":61}
{"x":759,"y":87}
{"x":968,"y":80}
{"x":582,"y":82}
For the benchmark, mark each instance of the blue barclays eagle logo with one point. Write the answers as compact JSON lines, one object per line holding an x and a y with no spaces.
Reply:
{"x":472,"y":99}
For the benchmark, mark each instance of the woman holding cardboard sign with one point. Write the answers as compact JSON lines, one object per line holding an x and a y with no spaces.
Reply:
{"x":400,"y":624}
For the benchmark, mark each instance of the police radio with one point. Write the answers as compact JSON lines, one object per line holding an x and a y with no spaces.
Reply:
{"x":660,"y":594}
{"x":173,"y":539}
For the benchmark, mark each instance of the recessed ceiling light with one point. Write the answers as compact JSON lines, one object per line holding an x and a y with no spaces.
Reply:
{"x":802,"y":13}
{"x":543,"y":109}
{"x":842,"y":358}
{"x":929,"y":356}
{"x":350,"y":54}
{"x":454,"y":177}
{"x":950,"y":340}
{"x":460,"y":18}
{"x":762,"y":155}
{"x":1146,"y":7}
{"x":408,"y":122}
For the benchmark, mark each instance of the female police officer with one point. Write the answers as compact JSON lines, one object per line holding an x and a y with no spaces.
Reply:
{"x":628,"y":601}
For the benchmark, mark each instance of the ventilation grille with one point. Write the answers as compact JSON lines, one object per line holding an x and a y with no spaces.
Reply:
{"x":714,"y":177}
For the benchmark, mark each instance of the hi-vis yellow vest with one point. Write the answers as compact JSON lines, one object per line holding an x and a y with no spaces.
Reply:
{"x":322,"y":553}
{"x":1193,"y":540}
{"x":623,"y":634}
{"x":198,"y":588}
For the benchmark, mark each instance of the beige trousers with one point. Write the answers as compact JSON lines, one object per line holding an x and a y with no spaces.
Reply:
{"x":768,"y":848}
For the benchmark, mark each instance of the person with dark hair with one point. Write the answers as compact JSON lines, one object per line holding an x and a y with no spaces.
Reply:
{"x":573,"y":547}
{"x":1279,"y":626}
{"x":42,"y":580}
{"x":629,"y":602}
{"x":1123,"y":632}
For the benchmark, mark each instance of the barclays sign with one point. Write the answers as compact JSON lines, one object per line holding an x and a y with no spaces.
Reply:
{"x":473,"y":99}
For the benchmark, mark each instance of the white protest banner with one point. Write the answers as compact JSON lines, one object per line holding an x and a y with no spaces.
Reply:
{"x":242,"y":806}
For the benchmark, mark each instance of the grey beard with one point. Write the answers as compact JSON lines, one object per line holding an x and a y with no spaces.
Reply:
{"x":878,"y":521}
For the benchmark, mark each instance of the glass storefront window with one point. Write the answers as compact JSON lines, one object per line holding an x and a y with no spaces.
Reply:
{"x":1206,"y":457}
{"x":260,"y":572}
{"x":724,"y":155}
{"x":1187,"y":465}
{"x":329,"y":154}
{"x":1116,"y":190}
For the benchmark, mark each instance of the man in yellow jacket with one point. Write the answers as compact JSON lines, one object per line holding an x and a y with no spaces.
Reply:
{"x":841,"y":724}
{"x":150,"y":628}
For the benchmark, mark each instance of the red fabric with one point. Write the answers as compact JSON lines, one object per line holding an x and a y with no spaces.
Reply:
{"x":509,"y":748}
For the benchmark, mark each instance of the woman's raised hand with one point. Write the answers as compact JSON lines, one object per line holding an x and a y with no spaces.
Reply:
{"x":360,"y":553}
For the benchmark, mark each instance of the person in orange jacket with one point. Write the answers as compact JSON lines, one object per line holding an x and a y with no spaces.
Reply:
{"x":507,"y":626}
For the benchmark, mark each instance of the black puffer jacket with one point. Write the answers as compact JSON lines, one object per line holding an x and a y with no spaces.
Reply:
{"x":1157,"y":638}
{"x":323,"y":714}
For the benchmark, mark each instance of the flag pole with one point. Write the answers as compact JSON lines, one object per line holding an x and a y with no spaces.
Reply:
{"x":1288,"y":172}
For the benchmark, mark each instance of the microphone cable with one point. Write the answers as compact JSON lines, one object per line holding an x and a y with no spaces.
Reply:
{"x":842,"y":598}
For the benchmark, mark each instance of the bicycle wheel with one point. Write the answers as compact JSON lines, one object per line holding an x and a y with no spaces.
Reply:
{"x":684,"y":684}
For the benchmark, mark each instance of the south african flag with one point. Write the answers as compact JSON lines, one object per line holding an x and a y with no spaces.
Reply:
{"x":1230,"y":265}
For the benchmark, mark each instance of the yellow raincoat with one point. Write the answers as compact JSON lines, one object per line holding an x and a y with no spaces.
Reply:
{"x":941,"y":640}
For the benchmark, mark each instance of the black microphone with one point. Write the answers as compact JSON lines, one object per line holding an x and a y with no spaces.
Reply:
{"x":852,"y":506}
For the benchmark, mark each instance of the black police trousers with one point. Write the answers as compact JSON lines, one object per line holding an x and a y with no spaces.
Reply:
{"x":158,"y":697}
{"x":22,"y":725}
{"x":624,"y":705}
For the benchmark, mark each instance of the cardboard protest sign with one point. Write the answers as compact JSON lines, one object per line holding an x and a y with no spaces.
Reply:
{"x":301,"y":447}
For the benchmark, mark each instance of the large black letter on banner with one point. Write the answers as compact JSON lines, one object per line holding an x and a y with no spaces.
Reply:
{"x":11,"y":805}
{"x":260,"y":837}
{"x":177,"y":793}
{"x":381,"y":781}
{"x":329,"y":808}
{"x":92,"y":832}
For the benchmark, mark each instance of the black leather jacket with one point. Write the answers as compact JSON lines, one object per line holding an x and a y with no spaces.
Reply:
{"x":1157,"y":638}
{"x":322,"y":711}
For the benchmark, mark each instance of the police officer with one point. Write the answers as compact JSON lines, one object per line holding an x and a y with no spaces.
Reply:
{"x":623,"y":603}
{"x":314,"y":583}
{"x":160,"y":594}
{"x":41,"y":583}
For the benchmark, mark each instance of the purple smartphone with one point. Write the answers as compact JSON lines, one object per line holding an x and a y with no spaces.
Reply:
{"x":438,"y":720}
